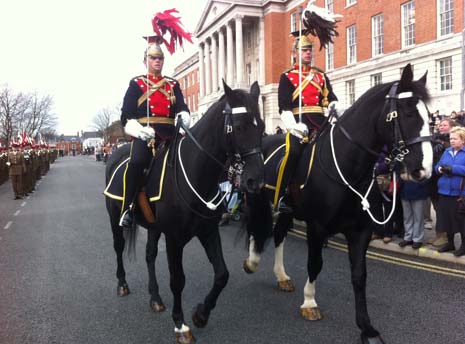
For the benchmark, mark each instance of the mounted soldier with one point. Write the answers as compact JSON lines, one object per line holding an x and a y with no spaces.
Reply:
{"x":150,"y":107}
{"x":304,"y":94}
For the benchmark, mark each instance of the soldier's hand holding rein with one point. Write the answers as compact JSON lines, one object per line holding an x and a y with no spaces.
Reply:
{"x":135,"y":129}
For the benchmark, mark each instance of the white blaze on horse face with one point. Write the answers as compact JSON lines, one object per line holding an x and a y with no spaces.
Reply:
{"x":278,"y":269}
{"x":426,"y":146}
{"x":309,"y":295}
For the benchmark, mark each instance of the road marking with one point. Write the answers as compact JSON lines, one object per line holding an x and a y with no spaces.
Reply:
{"x":17,"y":212}
{"x":8,"y":225}
{"x":23,"y":204}
{"x":392,"y":260}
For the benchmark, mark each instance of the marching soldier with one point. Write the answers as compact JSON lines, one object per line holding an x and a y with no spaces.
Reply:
{"x":3,"y":166}
{"x":150,"y":106}
{"x":17,"y":166}
{"x":312,"y":88}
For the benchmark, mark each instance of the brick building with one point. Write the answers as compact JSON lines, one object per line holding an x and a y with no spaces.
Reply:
{"x":243,"y":41}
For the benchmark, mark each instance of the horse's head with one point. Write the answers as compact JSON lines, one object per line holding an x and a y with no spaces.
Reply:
{"x":408,"y":119}
{"x":244,"y":129}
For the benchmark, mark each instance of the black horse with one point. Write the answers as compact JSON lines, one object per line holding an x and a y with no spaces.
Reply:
{"x":231,"y":130}
{"x":392,"y":114}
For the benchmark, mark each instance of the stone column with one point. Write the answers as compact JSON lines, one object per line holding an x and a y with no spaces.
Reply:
{"x":261,"y":51}
{"x":214,"y":64}
{"x":221,"y":74}
{"x":230,"y":50}
{"x":239,"y":51}
{"x":208,"y":76}
{"x":201,"y":72}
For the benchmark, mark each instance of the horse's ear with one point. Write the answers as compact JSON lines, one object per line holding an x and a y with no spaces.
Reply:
{"x":423,"y":78}
{"x":255,"y":91}
{"x":227,"y":90}
{"x":407,"y":77}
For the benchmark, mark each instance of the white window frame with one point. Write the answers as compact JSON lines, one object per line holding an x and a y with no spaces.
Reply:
{"x":377,"y":35}
{"x":330,"y":56}
{"x":350,"y":2}
{"x":350,"y":92}
{"x":351,"y":44}
{"x":329,"y":5}
{"x":294,"y":21}
{"x":445,"y":17}
{"x":445,"y":74}
{"x":376,"y":79}
{"x":408,"y":24}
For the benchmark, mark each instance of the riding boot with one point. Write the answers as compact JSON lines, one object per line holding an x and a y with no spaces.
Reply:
{"x":132,"y":177}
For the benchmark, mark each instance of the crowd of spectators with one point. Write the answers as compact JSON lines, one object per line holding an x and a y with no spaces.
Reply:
{"x":440,"y":192}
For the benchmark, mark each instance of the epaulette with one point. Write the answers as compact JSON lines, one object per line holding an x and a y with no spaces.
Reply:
{"x":288,"y":70}
{"x":318,"y":69}
{"x":170,"y":79}
{"x":138,"y":77}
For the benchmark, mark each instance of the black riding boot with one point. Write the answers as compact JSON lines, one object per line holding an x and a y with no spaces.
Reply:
{"x":132,"y":177}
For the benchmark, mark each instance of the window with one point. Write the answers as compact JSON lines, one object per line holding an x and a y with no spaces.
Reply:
{"x":408,"y":24}
{"x":445,"y":74}
{"x":376,"y":79}
{"x":294,"y":22}
{"x":446,"y":16}
{"x":350,"y":92}
{"x":350,"y":2}
{"x":378,"y":34}
{"x":330,"y":56}
{"x":330,"y":6}
{"x":351,"y":44}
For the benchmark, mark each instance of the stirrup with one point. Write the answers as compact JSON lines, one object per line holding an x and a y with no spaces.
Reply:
{"x":283,"y":207}
{"x":126,"y":219}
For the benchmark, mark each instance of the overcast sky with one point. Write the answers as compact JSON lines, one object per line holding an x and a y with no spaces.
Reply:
{"x":82,"y":53}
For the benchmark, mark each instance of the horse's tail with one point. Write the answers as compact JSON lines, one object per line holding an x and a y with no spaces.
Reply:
{"x":259,"y":220}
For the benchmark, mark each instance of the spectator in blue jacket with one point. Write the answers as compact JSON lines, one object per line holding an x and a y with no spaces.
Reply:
{"x":451,"y":168}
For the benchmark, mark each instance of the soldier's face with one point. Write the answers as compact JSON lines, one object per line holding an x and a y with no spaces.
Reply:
{"x":155,"y":64}
{"x":306,"y":56}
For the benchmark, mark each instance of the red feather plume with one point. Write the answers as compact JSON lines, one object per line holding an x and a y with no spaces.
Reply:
{"x":164,"y":22}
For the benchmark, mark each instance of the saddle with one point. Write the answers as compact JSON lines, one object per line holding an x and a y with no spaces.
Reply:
{"x":149,"y":192}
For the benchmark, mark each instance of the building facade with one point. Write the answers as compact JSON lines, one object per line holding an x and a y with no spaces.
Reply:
{"x":246,"y":40}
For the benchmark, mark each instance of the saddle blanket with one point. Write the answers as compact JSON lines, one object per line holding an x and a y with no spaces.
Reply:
{"x":154,"y":186}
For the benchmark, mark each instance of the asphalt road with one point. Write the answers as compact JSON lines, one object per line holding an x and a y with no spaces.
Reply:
{"x":58,"y":283}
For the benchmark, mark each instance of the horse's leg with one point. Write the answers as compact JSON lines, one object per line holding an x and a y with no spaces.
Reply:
{"x":282,"y":227}
{"x":358,"y":242}
{"x":177,"y":282}
{"x":251,"y":262}
{"x":151,"y":251}
{"x":118,"y":245}
{"x":309,"y":309}
{"x":212,"y":245}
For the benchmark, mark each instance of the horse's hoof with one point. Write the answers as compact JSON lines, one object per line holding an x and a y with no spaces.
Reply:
{"x":123,"y":290}
{"x":249,"y":269}
{"x":200,"y":316}
{"x":286,"y":285}
{"x":312,"y":314}
{"x":372,"y":340}
{"x":185,"y":337}
{"x":157,"y":307}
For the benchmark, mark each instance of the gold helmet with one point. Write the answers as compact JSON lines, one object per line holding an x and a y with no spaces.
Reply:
{"x":154,"y":48}
{"x":302,"y":42}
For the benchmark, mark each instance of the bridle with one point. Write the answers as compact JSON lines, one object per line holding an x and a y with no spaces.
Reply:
{"x":235,"y":156}
{"x":399,"y":149}
{"x":396,"y":155}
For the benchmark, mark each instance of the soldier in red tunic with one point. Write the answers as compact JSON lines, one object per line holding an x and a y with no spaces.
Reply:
{"x":150,"y":106}
{"x":314,"y":91}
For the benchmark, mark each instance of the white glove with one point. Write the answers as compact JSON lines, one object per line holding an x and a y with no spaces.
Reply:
{"x":185,"y":118}
{"x":8,"y":163}
{"x":135,"y":129}
{"x":299,"y":130}
{"x":334,"y":105}
{"x":288,"y":120}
